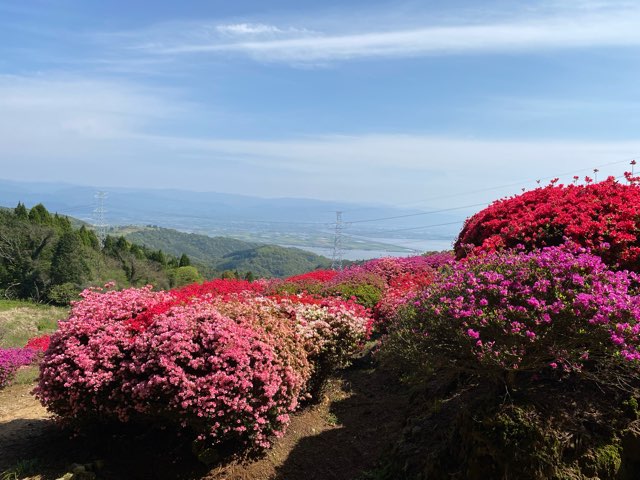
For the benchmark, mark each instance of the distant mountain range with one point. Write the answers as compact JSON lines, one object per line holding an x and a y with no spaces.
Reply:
{"x":284,"y":221}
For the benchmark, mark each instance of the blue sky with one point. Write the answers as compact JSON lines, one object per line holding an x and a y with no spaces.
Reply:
{"x":412,"y":103}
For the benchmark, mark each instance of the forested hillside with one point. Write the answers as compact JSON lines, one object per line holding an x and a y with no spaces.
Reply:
{"x":222,"y":254}
{"x":44,"y":258}
{"x":200,"y":248}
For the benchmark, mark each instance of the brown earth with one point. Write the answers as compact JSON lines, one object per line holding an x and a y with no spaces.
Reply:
{"x":358,"y":420}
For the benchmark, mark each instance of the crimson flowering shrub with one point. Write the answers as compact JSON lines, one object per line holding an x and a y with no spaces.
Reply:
{"x":400,"y":292}
{"x":219,"y":287}
{"x":548,"y":309}
{"x":11,"y":359}
{"x":38,"y":344}
{"x":600,"y":216}
{"x":310,"y":282}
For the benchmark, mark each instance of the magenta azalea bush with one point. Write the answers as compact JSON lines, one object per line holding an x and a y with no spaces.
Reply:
{"x":555,"y":308}
{"x":11,"y":359}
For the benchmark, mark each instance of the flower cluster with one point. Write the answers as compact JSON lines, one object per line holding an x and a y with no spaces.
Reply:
{"x":553,"y":308}
{"x":599,"y":216}
{"x":39,"y":344}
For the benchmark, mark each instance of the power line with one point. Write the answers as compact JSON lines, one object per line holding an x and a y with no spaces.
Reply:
{"x":484,"y":204}
{"x":520,"y":183}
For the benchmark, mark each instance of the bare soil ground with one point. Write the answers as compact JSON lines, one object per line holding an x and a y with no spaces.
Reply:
{"x":344,"y":435}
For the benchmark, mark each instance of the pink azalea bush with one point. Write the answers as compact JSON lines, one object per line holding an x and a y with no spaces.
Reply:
{"x":332,"y":329}
{"x":556,"y":308}
{"x":230,"y":366}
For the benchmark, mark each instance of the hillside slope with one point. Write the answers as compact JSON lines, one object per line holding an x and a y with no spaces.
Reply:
{"x":223,"y":253}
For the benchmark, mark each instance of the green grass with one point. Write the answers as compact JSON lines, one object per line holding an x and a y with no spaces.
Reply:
{"x":20,"y":321}
{"x":26,"y":375}
{"x":22,"y":469}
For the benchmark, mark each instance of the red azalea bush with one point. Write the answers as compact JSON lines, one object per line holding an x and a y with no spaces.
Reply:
{"x":39,"y":344}
{"x":219,"y":287}
{"x":310,"y":282}
{"x":600,"y":216}
{"x":553,"y":309}
{"x":400,"y":292}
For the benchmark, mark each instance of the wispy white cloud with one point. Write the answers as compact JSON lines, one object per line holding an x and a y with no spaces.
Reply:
{"x":587,"y":26}
{"x":257,"y":29}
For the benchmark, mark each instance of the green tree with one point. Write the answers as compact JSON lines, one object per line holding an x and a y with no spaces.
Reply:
{"x":68,"y":264}
{"x":21,"y":211}
{"x":185,"y":276}
{"x":40,"y":215}
{"x":229,"y":274}
{"x":249,"y":276}
{"x":184,"y":261}
{"x":88,"y":238}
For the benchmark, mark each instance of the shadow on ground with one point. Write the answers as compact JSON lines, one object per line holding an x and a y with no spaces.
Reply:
{"x":345,"y":435}
{"x":370,"y":420}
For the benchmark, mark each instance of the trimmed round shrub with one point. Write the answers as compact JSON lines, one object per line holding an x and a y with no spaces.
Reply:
{"x":506,"y":312}
{"x":227,"y":379}
{"x":600,"y":216}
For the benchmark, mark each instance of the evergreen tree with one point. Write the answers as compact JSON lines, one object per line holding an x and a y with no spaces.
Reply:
{"x":40,"y":215}
{"x":184,"y":261}
{"x":68,"y":264}
{"x":21,"y":211}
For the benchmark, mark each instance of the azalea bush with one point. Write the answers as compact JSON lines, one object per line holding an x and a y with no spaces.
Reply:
{"x":310,"y":282}
{"x":553,"y":309}
{"x":600,"y":216}
{"x":331,"y":329}
{"x":224,"y":361}
{"x":225,"y":378}
{"x":11,"y":359}
{"x":398,"y":295}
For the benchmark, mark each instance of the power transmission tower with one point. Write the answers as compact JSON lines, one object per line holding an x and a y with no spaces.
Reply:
{"x":99,"y":219}
{"x":338,"y":251}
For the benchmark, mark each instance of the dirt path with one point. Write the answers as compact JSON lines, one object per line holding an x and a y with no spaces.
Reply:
{"x":338,"y":439}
